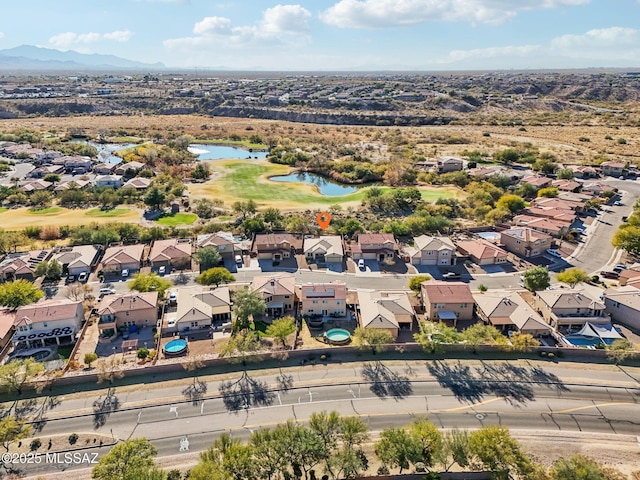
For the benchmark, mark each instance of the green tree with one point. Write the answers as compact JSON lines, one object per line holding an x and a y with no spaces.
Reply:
{"x":89,"y":358}
{"x":565,"y":174}
{"x":155,"y":197}
{"x":499,"y":452}
{"x":573,"y":276}
{"x":526,"y":190}
{"x":455,"y":449}
{"x":51,"y":270}
{"x":620,"y":350}
{"x":273,"y":217}
{"x":376,"y":339}
{"x":245,"y":208}
{"x":208,"y":257}
{"x":268,"y":456}
{"x":52,"y":177}
{"x":12,"y":430}
{"x":149,"y":282}
{"x":396,"y":448}
{"x":126,"y":460}
{"x":521,"y":342}
{"x":14,"y":374}
{"x":350,"y":227}
{"x":482,"y":334}
{"x":105,"y":236}
{"x":14,"y":295}
{"x":579,"y":467}
{"x":536,"y":278}
{"x":513,"y":203}
{"x":281,"y":328}
{"x":215,"y":276}
{"x":627,"y":237}
{"x":246,"y":304}
{"x":433,"y":334}
{"x":40,"y":199}
{"x":549,"y":192}
{"x":507,"y":156}
{"x":544,"y":165}
{"x":129,"y":232}
{"x":429,"y":440}
{"x":201,"y":172}
{"x":242,"y":345}
{"x":416,"y":281}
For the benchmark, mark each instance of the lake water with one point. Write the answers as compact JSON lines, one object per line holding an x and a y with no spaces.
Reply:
{"x":105,"y":150}
{"x":220,"y":152}
{"x":326,"y":187}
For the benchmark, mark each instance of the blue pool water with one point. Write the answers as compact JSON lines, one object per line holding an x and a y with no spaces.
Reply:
{"x":490,"y":236}
{"x":337,"y":335}
{"x":175,"y":346}
{"x":580,"y":341}
{"x":325,"y":187}
{"x":220,"y":152}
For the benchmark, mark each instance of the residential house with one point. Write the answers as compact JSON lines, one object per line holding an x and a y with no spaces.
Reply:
{"x":623,"y":304}
{"x":386,"y":310}
{"x":139,"y":183}
{"x":22,"y":265}
{"x":598,"y":188}
{"x":507,"y":310}
{"x":125,"y":168}
{"x":123,"y":257}
{"x":78,"y":184}
{"x":559,"y":204}
{"x":537,"y":181}
{"x":560,"y":215}
{"x":482,"y":251}
{"x":50,"y":322}
{"x":199,"y":309}
{"x":583,"y":171}
{"x":104,"y":168}
{"x":278,"y":292}
{"x":525,"y":242}
{"x":570,"y":308}
{"x":173,"y":253}
{"x":76,"y":165}
{"x":109,"y":181}
{"x":446,"y":301}
{"x":224,"y":242}
{"x":325,"y":249}
{"x":566,"y":185}
{"x":629,"y":275}
{"x":555,"y":228}
{"x":78,"y":259}
{"x":613,"y":169}
{"x":324,"y":299}
{"x":124,"y":311}
{"x":276,"y":246}
{"x":43,"y":171}
{"x":428,"y":250}
{"x":35,"y":186}
{"x":375,"y":246}
{"x":7,"y":327}
{"x":449,"y":164}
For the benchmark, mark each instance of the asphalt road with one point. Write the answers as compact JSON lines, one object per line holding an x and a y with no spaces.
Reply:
{"x":458,"y":395}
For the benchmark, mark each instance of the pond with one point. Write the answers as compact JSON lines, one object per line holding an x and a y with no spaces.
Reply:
{"x":105,"y":151}
{"x":220,"y":152}
{"x":325,"y":186}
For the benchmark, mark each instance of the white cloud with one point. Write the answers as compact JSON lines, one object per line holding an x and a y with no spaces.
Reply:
{"x":280,"y":24}
{"x":68,"y":39}
{"x":390,"y":13}
{"x":491,"y":52}
{"x":1,"y":35}
{"x":599,"y":39}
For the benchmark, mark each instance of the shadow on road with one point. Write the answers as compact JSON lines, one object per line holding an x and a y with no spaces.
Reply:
{"x":244,"y":393}
{"x":103,"y":407}
{"x":385,"y":382}
{"x":194,"y":392}
{"x":514,"y":384}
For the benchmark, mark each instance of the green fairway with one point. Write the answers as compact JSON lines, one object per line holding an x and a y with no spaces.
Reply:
{"x":112,"y":212}
{"x":45,"y":211}
{"x":174,"y":219}
{"x":3,"y":209}
{"x":249,"y":180}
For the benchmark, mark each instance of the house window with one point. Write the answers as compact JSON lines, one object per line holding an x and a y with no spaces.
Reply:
{"x":463,"y":305}
{"x":127,"y":313}
{"x":429,"y":252}
{"x":339,"y":302}
{"x":440,"y":305}
{"x":324,"y":301}
{"x":286,"y":296}
{"x":444,"y":254}
{"x":311,"y":310}
{"x":194,"y":324}
{"x":44,"y":324}
{"x":315,"y":301}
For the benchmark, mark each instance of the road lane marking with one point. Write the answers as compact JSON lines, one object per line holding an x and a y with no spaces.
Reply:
{"x":466,"y":407}
{"x":595,"y":405}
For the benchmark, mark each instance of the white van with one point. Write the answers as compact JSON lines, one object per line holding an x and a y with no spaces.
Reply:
{"x":238,"y":259}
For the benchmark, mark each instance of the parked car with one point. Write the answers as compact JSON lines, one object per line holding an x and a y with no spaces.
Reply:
{"x":173,"y":298}
{"x":612,"y":275}
{"x":83,"y":276}
{"x":618,"y":204}
{"x":361,"y":264}
{"x":554,"y":252}
{"x":107,"y":291}
{"x":71,"y":278}
{"x":125,"y":273}
{"x":162,"y":270}
{"x":238,"y":259}
{"x":450,"y":276}
{"x":621,"y":266}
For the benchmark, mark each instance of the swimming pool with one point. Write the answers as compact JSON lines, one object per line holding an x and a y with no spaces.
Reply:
{"x":175,"y":347}
{"x":490,"y":236}
{"x":337,"y":336}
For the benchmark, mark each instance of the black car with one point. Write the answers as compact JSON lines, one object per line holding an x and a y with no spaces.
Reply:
{"x":612,"y":275}
{"x":71,"y":278}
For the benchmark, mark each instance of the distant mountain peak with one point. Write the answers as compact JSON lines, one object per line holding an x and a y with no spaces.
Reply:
{"x":30,"y":57}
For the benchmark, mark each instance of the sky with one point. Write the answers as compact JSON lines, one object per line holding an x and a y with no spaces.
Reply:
{"x":336,"y":34}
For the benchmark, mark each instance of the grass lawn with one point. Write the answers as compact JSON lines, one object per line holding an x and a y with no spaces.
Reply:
{"x":111,"y":212}
{"x":65,"y":351}
{"x":244,"y":180}
{"x":174,"y":219}
{"x":45,"y":211}
{"x":3,"y":209}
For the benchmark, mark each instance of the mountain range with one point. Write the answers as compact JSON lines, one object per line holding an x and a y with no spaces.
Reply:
{"x":31,"y":58}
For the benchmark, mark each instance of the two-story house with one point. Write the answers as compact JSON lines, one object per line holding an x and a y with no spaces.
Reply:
{"x":323,"y":250}
{"x":623,"y":304}
{"x":447,"y":301}
{"x":449,"y":164}
{"x":428,"y":250}
{"x":127,"y":310}
{"x":224,"y":242}
{"x":570,"y":308}
{"x":109,"y":181}
{"x":525,"y":242}
{"x":123,"y":257}
{"x":51,"y":322}
{"x":375,"y":246}
{"x":386,"y":310}
{"x":324,"y":299}
{"x":276,"y":246}
{"x":278,"y":292}
{"x":172,"y":253}
{"x":613,"y":169}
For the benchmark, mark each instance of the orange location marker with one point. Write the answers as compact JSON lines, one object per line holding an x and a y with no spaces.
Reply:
{"x":323,"y":219}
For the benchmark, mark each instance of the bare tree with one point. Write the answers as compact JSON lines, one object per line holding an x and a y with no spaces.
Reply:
{"x":110,"y":369}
